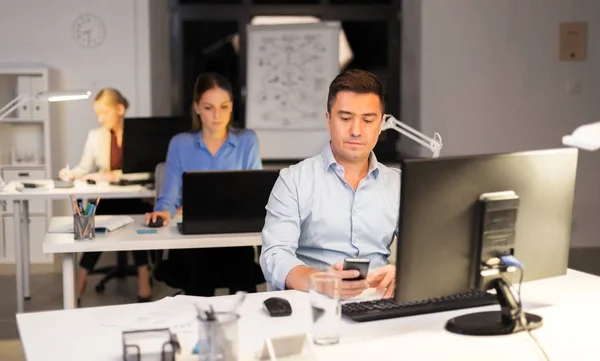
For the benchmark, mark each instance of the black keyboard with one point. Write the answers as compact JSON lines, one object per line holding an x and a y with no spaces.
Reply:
{"x":387,"y":308}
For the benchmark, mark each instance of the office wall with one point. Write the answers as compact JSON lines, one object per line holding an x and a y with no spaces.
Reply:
{"x":487,"y":77}
{"x":40,"y":32}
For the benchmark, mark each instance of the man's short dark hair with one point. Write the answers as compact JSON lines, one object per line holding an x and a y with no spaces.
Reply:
{"x":356,"y":81}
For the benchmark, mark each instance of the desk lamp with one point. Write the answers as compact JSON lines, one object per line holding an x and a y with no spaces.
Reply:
{"x":434,"y":144}
{"x":586,"y":137}
{"x":58,"y":96}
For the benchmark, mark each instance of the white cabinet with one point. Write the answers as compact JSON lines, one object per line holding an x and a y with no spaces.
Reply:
{"x":25,"y":152}
{"x":37,"y":231}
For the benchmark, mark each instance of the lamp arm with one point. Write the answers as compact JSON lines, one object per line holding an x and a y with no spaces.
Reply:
{"x":434,"y":144}
{"x":12,"y":105}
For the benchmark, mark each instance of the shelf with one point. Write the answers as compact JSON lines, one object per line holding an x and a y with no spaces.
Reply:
{"x":19,"y":166}
{"x":18,"y":120}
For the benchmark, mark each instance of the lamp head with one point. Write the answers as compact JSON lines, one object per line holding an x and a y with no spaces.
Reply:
{"x":60,"y":96}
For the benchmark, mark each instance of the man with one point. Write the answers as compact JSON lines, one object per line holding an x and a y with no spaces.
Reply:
{"x":341,"y":203}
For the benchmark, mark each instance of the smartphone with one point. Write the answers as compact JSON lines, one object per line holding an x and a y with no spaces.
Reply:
{"x":359,"y":264}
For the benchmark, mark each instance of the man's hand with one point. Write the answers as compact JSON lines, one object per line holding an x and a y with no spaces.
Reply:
{"x":384,"y":280}
{"x":348,"y":288}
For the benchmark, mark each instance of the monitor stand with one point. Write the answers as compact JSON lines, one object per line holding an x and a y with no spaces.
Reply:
{"x":492,"y":323}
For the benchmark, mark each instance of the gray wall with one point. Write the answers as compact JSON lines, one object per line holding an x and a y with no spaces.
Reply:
{"x":486,"y":75}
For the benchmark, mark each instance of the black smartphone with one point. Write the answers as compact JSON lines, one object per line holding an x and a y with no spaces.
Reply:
{"x":359,"y":264}
{"x":29,"y":185}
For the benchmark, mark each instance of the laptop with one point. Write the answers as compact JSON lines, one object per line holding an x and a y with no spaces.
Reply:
{"x":216,"y":202}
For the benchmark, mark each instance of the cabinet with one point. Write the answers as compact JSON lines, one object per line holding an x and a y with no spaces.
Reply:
{"x":25,"y":154}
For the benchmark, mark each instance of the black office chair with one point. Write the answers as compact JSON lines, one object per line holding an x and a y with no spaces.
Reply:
{"x":159,"y":259}
{"x":122,"y":269}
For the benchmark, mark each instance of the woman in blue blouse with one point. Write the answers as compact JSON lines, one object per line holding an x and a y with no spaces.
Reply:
{"x":213,"y":145}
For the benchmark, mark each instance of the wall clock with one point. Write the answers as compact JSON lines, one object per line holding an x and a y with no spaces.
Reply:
{"x":89,"y":31}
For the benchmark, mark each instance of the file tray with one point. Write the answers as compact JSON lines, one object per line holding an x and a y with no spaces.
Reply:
{"x":150,"y":345}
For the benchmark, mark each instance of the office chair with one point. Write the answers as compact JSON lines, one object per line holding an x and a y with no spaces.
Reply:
{"x":122,"y":269}
{"x":159,"y":267}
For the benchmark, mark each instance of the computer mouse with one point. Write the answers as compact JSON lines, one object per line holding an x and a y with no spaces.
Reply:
{"x":91,"y":181}
{"x":159,"y":222}
{"x":277,"y":307}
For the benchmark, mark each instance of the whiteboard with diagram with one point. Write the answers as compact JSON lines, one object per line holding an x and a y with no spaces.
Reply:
{"x":289,"y":70}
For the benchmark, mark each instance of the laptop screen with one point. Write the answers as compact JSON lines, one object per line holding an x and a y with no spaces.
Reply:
{"x":226,"y":201}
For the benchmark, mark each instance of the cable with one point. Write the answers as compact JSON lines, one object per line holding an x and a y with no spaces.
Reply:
{"x":522,"y":319}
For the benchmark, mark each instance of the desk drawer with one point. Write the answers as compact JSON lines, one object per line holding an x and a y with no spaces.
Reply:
{"x":24,"y":174}
{"x":29,"y":175}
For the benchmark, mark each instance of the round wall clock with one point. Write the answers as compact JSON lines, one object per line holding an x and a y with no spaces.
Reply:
{"x":89,"y":31}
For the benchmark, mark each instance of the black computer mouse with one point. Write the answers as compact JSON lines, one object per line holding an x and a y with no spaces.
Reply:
{"x":277,"y":307}
{"x":158,"y":223}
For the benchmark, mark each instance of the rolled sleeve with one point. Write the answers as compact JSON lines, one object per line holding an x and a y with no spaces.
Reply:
{"x":281,"y":232}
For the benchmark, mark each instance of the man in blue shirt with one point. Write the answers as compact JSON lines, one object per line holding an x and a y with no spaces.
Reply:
{"x":339,"y":204}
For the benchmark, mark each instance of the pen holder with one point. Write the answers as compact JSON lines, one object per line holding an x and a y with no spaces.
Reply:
{"x":84,"y":227}
{"x":218,"y":339}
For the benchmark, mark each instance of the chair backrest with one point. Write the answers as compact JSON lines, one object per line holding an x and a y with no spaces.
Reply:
{"x":159,"y":176}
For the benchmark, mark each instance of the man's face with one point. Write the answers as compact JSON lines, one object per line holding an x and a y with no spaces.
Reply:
{"x":354,"y":125}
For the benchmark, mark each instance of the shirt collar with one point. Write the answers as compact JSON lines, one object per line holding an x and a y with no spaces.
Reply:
{"x":232,"y":139}
{"x":329,"y":160}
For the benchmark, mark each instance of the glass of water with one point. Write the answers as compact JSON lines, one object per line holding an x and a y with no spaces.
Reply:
{"x":326,"y":309}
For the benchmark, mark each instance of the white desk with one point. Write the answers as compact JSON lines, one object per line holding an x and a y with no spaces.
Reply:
{"x":127,"y":239}
{"x":568,"y":305}
{"x":21,"y":212}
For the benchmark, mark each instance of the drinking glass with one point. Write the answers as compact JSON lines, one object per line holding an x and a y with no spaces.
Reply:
{"x":326,"y":309}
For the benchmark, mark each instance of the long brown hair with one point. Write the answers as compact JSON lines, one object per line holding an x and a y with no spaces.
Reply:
{"x":204,"y":82}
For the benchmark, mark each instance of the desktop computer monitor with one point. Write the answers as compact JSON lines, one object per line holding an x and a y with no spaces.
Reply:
{"x":442,"y":240}
{"x":146,"y":141}
{"x":226,"y":201}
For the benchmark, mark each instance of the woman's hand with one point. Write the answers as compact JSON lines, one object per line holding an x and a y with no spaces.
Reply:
{"x":64,"y":174}
{"x":151,"y":217}
{"x":101,"y":177}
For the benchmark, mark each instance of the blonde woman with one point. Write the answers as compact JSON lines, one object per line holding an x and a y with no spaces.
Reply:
{"x":101,"y":161}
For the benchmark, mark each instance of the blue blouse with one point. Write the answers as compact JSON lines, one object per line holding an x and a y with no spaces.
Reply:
{"x":188,"y":152}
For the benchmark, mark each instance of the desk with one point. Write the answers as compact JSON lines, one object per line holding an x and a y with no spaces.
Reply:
{"x":21,"y":211}
{"x":568,"y":305}
{"x":127,"y":239}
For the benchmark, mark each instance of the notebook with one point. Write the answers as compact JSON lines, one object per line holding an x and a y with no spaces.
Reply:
{"x":103,"y":224}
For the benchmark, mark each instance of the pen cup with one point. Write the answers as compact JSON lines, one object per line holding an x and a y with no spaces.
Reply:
{"x":84,"y":227}
{"x":218,"y":338}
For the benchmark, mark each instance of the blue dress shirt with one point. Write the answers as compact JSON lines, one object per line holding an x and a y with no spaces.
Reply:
{"x":315,"y":218}
{"x":188,"y":152}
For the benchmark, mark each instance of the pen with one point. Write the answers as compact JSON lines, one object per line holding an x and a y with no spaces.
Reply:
{"x":91,"y":209}
{"x":87,"y":209}
{"x":96,"y":205}
{"x":75,"y":205}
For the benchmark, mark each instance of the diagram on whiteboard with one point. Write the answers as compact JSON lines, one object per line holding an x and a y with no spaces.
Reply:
{"x":288,"y":76}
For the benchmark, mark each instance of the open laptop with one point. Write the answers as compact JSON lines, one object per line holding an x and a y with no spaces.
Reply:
{"x":225,"y":201}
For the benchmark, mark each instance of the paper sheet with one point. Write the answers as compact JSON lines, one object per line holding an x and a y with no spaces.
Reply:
{"x":165,"y":313}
